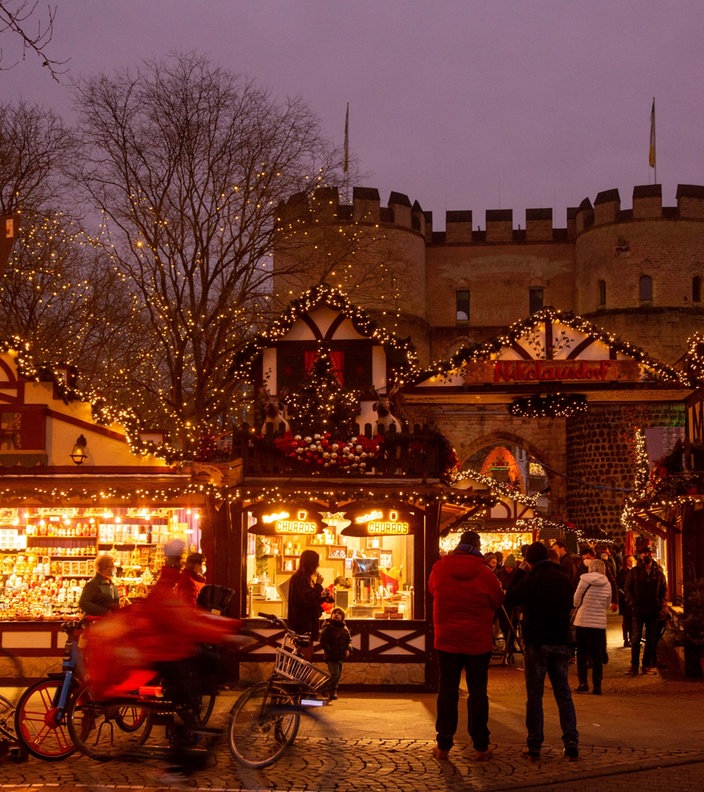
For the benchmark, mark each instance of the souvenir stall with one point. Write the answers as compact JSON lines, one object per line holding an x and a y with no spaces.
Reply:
{"x":505,"y":517}
{"x":73,"y":487}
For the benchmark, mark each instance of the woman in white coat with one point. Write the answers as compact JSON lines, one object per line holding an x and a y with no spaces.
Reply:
{"x":592,"y":598}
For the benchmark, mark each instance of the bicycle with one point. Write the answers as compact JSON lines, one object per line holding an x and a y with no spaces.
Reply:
{"x":120,"y":720}
{"x":40,"y":716}
{"x":264,"y":720}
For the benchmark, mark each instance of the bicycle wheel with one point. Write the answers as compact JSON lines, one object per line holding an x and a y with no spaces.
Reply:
{"x":105,"y":730}
{"x":7,"y":719}
{"x":263,"y":723}
{"x":37,"y":724}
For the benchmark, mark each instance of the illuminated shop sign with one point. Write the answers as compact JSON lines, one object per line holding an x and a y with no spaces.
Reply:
{"x":496,"y":371}
{"x":287,"y":520}
{"x":381,"y":522}
{"x":378,"y":523}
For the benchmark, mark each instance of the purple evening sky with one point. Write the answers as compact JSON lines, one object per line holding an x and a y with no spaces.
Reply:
{"x":460,"y":104}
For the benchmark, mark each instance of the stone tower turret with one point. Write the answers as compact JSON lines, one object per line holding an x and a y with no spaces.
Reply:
{"x":638,"y":272}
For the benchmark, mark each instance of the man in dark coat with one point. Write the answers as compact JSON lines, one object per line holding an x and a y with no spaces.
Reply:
{"x":466,"y":594}
{"x":100,"y":595}
{"x":567,"y":562}
{"x":545,"y":595}
{"x":645,"y":590}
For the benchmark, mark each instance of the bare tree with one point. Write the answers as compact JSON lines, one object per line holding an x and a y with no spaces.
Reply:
{"x":21,"y":18}
{"x":67,"y":304}
{"x":58,"y":293}
{"x":187,"y":164}
{"x":34,"y":149}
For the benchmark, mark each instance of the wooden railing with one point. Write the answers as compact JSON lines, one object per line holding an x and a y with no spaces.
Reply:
{"x":420,"y":452}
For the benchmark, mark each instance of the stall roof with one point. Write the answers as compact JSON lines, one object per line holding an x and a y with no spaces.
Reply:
{"x":549,"y":351}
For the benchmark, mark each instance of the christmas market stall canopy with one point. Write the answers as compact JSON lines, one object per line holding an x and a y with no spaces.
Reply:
{"x":552,"y":364}
{"x":58,"y":444}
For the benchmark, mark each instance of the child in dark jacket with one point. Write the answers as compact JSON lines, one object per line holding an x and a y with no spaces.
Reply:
{"x":335,"y":640}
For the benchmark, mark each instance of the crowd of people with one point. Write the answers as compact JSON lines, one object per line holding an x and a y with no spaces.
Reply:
{"x":561,"y":601}
{"x":556,"y":601}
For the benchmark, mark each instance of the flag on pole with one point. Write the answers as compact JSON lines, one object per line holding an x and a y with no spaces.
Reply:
{"x":346,"y":161}
{"x":651,"y":155}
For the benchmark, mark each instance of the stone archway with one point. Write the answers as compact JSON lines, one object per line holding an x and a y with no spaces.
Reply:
{"x":549,"y":486}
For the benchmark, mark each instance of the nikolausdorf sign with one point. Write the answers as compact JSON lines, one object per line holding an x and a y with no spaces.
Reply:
{"x":381,"y":521}
{"x":580,"y":371}
{"x":281,"y":519}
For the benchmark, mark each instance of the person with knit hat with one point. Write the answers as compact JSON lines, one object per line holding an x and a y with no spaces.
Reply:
{"x":545,"y":594}
{"x":466,"y":594}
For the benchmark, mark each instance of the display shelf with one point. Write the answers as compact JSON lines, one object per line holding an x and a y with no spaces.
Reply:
{"x":48,"y":555}
{"x":64,"y":557}
{"x":124,"y":545}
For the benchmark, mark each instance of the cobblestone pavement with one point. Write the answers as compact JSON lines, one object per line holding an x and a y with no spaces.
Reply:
{"x":383,"y":765}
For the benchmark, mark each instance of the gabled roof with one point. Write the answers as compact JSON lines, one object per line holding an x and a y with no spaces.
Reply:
{"x":400,"y":350}
{"x":554,"y":351}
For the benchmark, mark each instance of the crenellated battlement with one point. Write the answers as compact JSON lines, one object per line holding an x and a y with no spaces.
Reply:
{"x":366,"y":207}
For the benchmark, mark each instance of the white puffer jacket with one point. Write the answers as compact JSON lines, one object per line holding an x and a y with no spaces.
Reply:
{"x":594,"y":600}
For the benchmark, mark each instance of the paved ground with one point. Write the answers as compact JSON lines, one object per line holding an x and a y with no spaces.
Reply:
{"x":642,"y":734}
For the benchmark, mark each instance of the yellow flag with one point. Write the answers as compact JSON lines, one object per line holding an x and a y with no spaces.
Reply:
{"x":651,"y":156}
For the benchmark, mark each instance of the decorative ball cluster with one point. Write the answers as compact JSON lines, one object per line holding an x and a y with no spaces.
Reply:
{"x":554,"y":405}
{"x":324,"y":451}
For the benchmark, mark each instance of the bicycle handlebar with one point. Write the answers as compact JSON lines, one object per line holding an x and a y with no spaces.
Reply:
{"x":78,"y":624}
{"x":277,"y":621}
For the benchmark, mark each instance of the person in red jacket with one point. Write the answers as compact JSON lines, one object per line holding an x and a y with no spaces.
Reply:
{"x":466,"y":594}
{"x":191,"y":579}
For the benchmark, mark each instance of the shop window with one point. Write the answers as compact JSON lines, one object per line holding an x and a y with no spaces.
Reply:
{"x":696,"y":289}
{"x":602,"y":292}
{"x":645,"y":288}
{"x":371,"y":577}
{"x":53,"y":552}
{"x":536,"y":296}
{"x":462,"y":305}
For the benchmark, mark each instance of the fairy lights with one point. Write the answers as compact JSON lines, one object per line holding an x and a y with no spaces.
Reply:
{"x":552,"y":405}
{"x":529,"y":332}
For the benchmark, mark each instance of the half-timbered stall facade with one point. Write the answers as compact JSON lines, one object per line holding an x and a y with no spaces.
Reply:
{"x":335,"y":467}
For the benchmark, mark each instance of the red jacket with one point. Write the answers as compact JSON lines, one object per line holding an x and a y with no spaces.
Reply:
{"x":466,"y":594}
{"x":189,"y":585}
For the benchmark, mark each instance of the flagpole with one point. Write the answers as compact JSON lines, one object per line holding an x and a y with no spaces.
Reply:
{"x":652,"y":160}
{"x":346,"y":159}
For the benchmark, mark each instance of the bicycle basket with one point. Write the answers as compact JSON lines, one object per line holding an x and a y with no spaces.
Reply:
{"x":293,"y":667}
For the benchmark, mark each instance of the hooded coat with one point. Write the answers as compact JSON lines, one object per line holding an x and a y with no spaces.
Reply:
{"x":591,"y":599}
{"x":466,"y":594}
